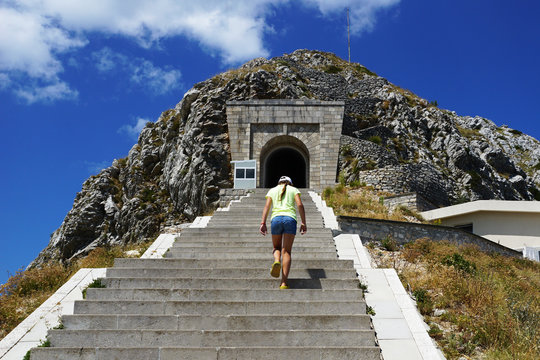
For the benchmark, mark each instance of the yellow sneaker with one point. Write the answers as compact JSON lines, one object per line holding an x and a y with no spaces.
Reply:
{"x":283,"y":287}
{"x":276,"y":269}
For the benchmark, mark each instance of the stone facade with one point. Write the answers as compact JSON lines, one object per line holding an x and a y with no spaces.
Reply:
{"x":404,"y":178}
{"x":404,"y":232}
{"x":313,"y":128}
{"x":413,"y":201}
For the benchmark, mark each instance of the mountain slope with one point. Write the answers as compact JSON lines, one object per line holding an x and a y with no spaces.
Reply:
{"x":180,"y":162}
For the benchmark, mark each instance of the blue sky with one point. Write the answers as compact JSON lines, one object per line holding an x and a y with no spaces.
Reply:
{"x":79,"y":78}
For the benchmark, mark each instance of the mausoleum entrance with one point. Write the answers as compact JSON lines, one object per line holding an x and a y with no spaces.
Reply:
{"x":297,"y":138}
{"x":284,"y":155}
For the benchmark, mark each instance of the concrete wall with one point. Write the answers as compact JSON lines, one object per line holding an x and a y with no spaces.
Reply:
{"x":316,"y":124}
{"x":402,"y":232}
{"x":511,"y":229}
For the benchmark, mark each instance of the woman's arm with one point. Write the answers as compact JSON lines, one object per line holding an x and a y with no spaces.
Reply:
{"x":303,"y":226}
{"x":266,"y":209}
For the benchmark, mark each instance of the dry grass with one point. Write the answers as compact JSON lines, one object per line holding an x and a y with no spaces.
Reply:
{"x":26,"y":290}
{"x":365,"y":202}
{"x":490,"y":304}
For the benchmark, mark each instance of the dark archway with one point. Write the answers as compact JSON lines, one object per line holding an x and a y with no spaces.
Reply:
{"x":285,"y":161}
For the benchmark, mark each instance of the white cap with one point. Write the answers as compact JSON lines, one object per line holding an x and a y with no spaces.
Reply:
{"x":285,"y":178}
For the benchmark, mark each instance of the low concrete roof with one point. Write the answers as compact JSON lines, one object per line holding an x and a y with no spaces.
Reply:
{"x":483,"y":206}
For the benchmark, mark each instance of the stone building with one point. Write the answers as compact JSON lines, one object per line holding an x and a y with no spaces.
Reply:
{"x":297,"y":138}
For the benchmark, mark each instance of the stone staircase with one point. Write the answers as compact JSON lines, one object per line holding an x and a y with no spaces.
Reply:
{"x":212,"y":297}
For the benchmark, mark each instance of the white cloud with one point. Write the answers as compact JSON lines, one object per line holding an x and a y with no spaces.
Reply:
{"x":140,"y":71}
{"x":362,"y":12}
{"x":133,"y":131}
{"x":34,"y":33}
{"x":106,"y":59}
{"x":56,"y":90}
{"x":160,"y":81}
{"x":30,"y":42}
{"x":5,"y":81}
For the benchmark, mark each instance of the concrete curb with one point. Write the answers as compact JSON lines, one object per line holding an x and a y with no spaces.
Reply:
{"x":32,"y":330}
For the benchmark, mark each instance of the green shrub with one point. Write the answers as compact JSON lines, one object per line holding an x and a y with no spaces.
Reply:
{"x":375,"y":139}
{"x":332,"y":69}
{"x":389,"y":244}
{"x":94,"y":284}
{"x":342,"y":181}
{"x":424,"y":301}
{"x":435,"y":331}
{"x":362,"y":286}
{"x":346,"y":150}
{"x":327,"y":192}
{"x":148,"y":195}
{"x":459,"y":263}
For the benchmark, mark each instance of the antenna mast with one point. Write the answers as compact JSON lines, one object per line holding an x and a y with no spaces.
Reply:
{"x":348,"y":35}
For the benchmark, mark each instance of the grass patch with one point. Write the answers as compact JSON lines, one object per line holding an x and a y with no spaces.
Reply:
{"x":332,"y":69}
{"x":468,"y":133}
{"x":389,"y":244}
{"x":490,"y":302}
{"x":26,"y":290}
{"x":363,"y":70}
{"x":515,"y":132}
{"x":361,"y":201}
{"x":375,"y":139}
{"x":96,"y":284}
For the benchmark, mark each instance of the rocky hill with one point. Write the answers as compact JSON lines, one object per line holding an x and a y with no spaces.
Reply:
{"x":180,"y":162}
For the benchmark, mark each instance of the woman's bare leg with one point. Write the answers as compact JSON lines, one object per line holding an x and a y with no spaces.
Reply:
{"x":276,"y":241}
{"x":288,"y":240}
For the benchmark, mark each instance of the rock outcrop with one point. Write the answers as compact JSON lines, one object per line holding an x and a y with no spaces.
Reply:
{"x":180,"y":162}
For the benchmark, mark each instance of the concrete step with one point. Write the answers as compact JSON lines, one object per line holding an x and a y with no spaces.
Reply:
{"x":238,"y":283}
{"x":229,"y":263}
{"x":239,"y":307}
{"x":308,"y":239}
{"x":210,"y":353}
{"x":207,"y":338}
{"x":240,"y":230}
{"x":227,"y":273}
{"x":216,"y":322}
{"x":182,"y":254}
{"x":223,"y":294}
{"x":250,"y":214}
{"x":256,"y":222}
{"x":244,"y":246}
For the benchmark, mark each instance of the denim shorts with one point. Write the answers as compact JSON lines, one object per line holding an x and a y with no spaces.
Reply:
{"x":283,"y":225}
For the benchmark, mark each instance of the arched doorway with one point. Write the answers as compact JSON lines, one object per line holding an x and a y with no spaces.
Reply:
{"x":284,"y":155}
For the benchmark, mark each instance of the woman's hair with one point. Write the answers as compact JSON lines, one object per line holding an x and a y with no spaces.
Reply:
{"x":284,"y":189}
